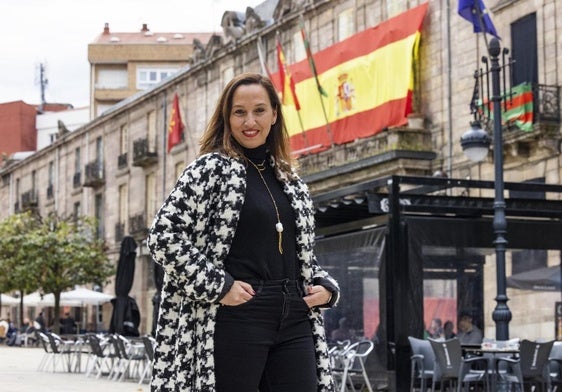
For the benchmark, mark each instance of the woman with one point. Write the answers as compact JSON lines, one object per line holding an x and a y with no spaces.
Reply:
{"x":242,"y":287}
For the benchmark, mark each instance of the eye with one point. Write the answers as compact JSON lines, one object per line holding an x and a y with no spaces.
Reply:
{"x":259,"y":110}
{"x":239,"y":112}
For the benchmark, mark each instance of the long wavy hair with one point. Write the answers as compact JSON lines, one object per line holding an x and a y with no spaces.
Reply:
{"x":218,"y":135}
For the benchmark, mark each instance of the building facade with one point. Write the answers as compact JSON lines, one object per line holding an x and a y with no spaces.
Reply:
{"x":117,"y":168}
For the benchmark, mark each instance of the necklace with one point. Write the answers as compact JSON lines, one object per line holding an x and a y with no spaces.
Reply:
{"x":278,"y":226}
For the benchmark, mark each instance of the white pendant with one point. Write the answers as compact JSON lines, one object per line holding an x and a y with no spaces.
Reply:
{"x":279,"y":227}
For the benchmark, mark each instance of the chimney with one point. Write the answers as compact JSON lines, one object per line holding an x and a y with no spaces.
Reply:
{"x":144,"y":28}
{"x":106,"y":29}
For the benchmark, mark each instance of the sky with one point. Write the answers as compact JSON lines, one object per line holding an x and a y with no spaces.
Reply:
{"x":57,"y":33}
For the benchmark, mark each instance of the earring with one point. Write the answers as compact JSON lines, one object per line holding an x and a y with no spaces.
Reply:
{"x":273,"y":123}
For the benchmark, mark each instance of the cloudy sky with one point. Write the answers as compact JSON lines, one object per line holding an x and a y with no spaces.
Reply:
{"x":57,"y":33}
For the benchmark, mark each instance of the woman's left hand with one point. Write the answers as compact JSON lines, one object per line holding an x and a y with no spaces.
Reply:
{"x":317,"y":296}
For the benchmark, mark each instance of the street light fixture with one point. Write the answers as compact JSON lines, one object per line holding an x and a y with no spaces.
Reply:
{"x":475,"y":143}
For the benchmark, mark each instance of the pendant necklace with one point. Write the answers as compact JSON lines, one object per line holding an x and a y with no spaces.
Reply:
{"x":278,"y":226}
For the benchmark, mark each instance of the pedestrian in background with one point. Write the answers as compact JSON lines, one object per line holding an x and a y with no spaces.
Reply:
{"x":240,"y":308}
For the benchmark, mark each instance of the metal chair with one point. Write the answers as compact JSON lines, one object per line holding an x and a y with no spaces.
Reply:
{"x":452,"y":367}
{"x":350,"y":370}
{"x":531,"y":368}
{"x":555,"y":366}
{"x":126,"y":356}
{"x":422,"y":362}
{"x":99,"y":357}
{"x":149,"y":344}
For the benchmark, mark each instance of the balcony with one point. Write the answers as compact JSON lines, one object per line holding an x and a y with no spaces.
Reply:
{"x":122,"y":161}
{"x":137,"y":226}
{"x":401,"y":150}
{"x":543,"y":134}
{"x":94,"y":174}
{"x":76,"y":180}
{"x":29,"y":200}
{"x":142,"y":154}
{"x":119,"y":232}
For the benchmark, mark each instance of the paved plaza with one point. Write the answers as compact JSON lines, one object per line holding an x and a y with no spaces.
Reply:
{"x":18,"y":373}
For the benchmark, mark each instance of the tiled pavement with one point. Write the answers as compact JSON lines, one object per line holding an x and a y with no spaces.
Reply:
{"x":18,"y":373}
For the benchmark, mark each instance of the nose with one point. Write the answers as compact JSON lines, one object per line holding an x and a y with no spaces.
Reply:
{"x":249,"y":120}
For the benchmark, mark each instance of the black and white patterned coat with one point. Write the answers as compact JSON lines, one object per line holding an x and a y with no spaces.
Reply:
{"x":191,"y":237}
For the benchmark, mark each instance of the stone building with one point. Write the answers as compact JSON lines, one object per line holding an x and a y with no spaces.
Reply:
{"x":117,"y":167}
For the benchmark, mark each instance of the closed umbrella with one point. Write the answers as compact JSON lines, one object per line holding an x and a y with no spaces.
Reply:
{"x":125,"y":318}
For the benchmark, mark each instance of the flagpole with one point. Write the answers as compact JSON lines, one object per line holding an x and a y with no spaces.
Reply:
{"x":319,"y":87}
{"x":286,"y":73}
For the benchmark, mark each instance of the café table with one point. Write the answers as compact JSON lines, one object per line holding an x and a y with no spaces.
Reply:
{"x":492,"y":352}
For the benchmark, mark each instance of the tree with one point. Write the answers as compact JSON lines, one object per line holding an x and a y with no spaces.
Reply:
{"x":55,"y":254}
{"x":16,"y":259}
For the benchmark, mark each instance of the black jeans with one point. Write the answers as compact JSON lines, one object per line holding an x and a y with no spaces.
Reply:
{"x":266,"y":343}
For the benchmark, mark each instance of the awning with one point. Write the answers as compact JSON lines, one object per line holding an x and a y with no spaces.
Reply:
{"x":540,"y":279}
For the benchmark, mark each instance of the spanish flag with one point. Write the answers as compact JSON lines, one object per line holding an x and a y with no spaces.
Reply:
{"x":368,"y":77}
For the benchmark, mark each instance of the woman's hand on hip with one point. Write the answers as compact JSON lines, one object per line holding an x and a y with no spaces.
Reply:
{"x":239,"y":293}
{"x":317,"y":295}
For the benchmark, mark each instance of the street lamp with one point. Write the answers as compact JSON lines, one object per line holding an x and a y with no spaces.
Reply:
{"x":475,"y":143}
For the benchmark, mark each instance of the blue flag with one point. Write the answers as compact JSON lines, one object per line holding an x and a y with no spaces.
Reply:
{"x":476,"y":13}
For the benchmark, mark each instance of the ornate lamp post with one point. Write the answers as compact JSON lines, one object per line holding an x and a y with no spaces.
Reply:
{"x":475,"y":143}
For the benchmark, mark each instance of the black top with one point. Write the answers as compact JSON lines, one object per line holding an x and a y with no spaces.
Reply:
{"x":254,"y":253}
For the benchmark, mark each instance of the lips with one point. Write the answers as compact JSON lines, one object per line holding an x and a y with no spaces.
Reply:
{"x":250,"y":133}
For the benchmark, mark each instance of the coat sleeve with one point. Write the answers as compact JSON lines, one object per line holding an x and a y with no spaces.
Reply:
{"x":181,"y":235}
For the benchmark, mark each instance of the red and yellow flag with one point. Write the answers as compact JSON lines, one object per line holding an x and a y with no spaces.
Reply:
{"x":288,"y":92}
{"x":175,"y":128}
{"x":368,"y":77}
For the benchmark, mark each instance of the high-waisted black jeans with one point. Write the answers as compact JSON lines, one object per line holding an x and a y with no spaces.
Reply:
{"x":266,"y":343}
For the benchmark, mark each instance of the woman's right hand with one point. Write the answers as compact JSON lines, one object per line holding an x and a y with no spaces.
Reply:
{"x":239,"y":293}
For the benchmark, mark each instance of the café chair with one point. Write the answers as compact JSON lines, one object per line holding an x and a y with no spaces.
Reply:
{"x":351,"y":370}
{"x":456,"y":370}
{"x":530,"y":368}
{"x":422,"y":362}
{"x":555,"y":366}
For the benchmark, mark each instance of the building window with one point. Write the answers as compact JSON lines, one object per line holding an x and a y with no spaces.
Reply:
{"x":98,"y":213}
{"x":299,"y":50}
{"x":148,"y":77}
{"x":112,"y":79}
{"x":77,"y":210}
{"x":524,"y":50}
{"x":151,"y":120}
{"x":150,"y":197}
{"x":99,"y":150}
{"x":346,"y":24}
{"x":123,"y":203}
{"x":77,"y":160}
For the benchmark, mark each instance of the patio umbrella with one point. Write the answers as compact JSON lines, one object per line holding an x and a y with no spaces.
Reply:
{"x":7,"y":300}
{"x":82,"y":296}
{"x":125,"y":318}
{"x":540,"y":279}
{"x":38,"y":299}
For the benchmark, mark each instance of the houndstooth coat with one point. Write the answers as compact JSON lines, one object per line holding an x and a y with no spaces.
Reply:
{"x":191,"y":237}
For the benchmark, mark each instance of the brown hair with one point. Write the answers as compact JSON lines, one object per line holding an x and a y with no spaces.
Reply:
{"x":218,"y":135}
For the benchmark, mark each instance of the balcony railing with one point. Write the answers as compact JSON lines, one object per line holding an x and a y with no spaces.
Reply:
{"x":94,"y":174}
{"x":122,"y":161}
{"x":142,"y":153}
{"x":137,"y":225}
{"x":547,"y":103}
{"x":76,"y":179}
{"x":29,"y":199}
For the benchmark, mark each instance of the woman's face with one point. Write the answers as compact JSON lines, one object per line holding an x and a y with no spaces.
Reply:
{"x":251,"y":115}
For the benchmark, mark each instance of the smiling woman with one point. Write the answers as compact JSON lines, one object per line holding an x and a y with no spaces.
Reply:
{"x":240,"y":310}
